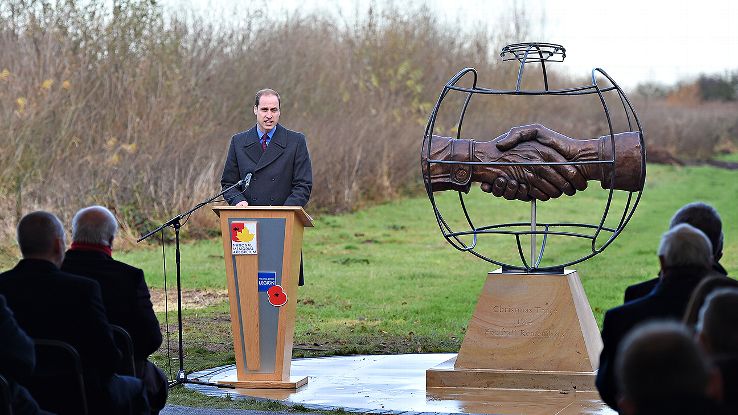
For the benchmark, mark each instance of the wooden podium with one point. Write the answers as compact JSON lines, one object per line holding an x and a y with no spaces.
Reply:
{"x":262,"y":251}
{"x":529,"y":331}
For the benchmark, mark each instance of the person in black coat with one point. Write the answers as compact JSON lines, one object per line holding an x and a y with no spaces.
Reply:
{"x":703,"y":217}
{"x":52,"y":304}
{"x":277,"y":159}
{"x":17,"y":359}
{"x":685,"y":255}
{"x":124,"y":292}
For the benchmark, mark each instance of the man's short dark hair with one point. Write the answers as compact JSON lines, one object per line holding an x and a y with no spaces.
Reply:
{"x":266,"y":91}
{"x":705,"y":218}
{"x":37,"y":232}
{"x":659,"y":362}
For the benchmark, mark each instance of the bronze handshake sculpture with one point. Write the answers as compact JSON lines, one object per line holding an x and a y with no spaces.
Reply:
{"x":519,"y":174}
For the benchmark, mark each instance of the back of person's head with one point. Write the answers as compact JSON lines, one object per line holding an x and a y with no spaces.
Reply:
{"x":705,"y":218}
{"x":717,"y":326}
{"x":659,"y":364}
{"x":94,"y":225}
{"x":39,"y":234}
{"x":700,"y":293}
{"x":685,"y":246}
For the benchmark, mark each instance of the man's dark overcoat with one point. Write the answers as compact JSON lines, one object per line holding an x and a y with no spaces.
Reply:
{"x":125,"y":296}
{"x":667,"y":301}
{"x":641,"y":289}
{"x":281,"y":176}
{"x":51,"y":304}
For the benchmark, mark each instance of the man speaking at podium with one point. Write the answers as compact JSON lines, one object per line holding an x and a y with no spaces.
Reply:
{"x":277,"y":159}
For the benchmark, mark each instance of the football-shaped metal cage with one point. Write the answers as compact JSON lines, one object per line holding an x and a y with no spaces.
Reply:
{"x":601,"y":236}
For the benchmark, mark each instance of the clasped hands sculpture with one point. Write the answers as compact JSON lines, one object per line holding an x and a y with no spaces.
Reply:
{"x":531,"y":144}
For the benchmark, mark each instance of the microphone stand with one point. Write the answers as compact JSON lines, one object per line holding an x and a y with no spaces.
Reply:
{"x":176,"y":223}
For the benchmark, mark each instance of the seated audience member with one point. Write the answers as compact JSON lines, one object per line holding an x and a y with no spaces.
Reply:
{"x":685,"y":255}
{"x":661,"y":370}
{"x":703,"y":217}
{"x":124,"y":291}
{"x":17,"y":359}
{"x":703,"y":289}
{"x":52,"y":304}
{"x":717,"y":332}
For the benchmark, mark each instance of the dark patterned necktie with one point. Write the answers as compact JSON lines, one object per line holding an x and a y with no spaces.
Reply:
{"x":263,"y":142}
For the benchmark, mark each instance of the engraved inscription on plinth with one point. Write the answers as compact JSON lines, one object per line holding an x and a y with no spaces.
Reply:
{"x":531,"y":322}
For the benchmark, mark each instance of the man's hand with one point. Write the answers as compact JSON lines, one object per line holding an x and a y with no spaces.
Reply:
{"x":242,"y":204}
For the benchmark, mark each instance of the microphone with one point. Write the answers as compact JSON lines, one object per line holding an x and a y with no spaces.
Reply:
{"x":245,"y":182}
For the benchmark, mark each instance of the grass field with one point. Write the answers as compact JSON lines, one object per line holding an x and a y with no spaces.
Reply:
{"x":383,"y":280}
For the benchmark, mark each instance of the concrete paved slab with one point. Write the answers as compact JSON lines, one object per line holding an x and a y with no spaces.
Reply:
{"x":396,"y":384}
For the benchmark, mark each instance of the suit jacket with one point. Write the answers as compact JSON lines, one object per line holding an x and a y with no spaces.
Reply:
{"x":667,"y":301}
{"x":52,"y":304}
{"x":281,"y":176}
{"x":17,"y":359}
{"x":642,"y":289}
{"x":125,"y":296}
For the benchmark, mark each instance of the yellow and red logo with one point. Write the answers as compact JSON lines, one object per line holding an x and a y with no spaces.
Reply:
{"x":240,"y":233}
{"x":243,"y":238}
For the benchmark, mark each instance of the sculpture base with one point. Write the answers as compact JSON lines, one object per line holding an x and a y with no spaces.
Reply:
{"x":294,"y":383}
{"x":528,"y":331}
{"x":446,"y":376}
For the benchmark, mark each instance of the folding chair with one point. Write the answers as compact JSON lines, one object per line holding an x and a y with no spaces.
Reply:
{"x":58,"y":383}
{"x":125,"y":344}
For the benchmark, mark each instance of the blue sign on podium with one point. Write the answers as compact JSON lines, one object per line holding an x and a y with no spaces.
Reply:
{"x":266,"y":280}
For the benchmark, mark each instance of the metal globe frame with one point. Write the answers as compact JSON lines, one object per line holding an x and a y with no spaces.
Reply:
{"x":526,"y":53}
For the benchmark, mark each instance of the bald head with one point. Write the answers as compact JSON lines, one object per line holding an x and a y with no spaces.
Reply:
{"x":94,"y":225}
{"x":41,"y":236}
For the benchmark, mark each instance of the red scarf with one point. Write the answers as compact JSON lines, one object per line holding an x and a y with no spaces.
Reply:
{"x":81,"y":246}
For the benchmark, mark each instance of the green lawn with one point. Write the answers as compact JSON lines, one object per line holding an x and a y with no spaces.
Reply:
{"x":384,"y":280}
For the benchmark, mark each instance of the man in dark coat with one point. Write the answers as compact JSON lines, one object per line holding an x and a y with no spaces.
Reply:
{"x":277,"y":159}
{"x":685,"y":254}
{"x":124,"y":291}
{"x":52,"y":304}
{"x":17,"y":359}
{"x":703,"y":217}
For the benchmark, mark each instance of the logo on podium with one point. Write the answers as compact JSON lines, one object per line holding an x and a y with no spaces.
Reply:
{"x":243,"y":238}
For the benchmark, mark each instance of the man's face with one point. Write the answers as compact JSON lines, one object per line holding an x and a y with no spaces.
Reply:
{"x":267,"y":112}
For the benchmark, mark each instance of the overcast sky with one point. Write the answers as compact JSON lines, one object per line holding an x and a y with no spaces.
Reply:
{"x":633,"y":40}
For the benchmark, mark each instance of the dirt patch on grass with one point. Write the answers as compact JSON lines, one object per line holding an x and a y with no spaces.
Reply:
{"x":191,"y":299}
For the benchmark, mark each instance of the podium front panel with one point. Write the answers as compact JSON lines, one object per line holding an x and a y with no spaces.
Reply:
{"x":254,"y":312}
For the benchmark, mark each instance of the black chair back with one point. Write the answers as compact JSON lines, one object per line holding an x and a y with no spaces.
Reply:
{"x":58,"y":383}
{"x":5,"y":407}
{"x":123,"y":341}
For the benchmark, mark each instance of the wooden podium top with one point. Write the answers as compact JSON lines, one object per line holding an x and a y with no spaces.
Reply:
{"x":306,"y":220}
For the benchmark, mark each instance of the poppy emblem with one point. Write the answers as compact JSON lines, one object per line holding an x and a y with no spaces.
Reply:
{"x":277,"y":297}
